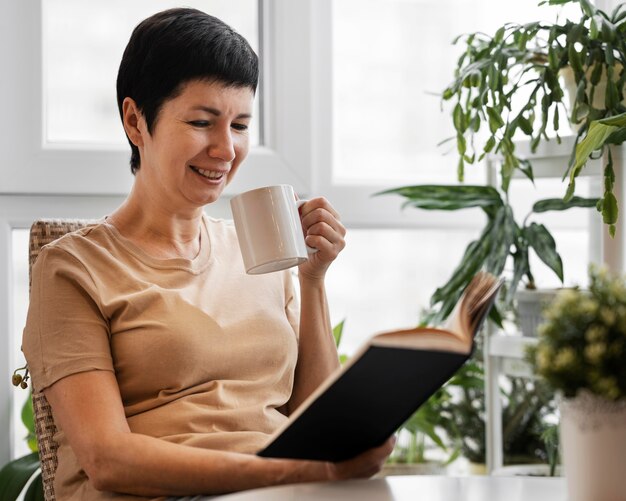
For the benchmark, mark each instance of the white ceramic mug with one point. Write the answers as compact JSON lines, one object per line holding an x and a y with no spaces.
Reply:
{"x":269,"y":229}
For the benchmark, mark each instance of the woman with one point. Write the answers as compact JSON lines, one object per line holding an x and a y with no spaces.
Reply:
{"x":166,"y":366}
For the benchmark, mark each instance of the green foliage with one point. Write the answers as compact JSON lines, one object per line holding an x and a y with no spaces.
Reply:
{"x":501,"y":239}
{"x":530,"y":59}
{"x":550,"y":438}
{"x":426,"y":423}
{"x":28,"y":419}
{"x":337,"y":334}
{"x":582,"y":342}
{"x":15,"y":474}
{"x":601,"y":133}
{"x":525,"y":405}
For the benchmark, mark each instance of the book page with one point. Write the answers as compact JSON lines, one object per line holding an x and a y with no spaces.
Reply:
{"x":457,"y":334}
{"x":427,"y":338}
{"x":475,"y":302}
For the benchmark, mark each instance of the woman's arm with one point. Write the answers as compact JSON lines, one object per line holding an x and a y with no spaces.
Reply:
{"x":317,"y":354}
{"x":87,"y":406}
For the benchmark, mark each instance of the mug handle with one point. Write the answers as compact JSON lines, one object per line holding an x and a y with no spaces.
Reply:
{"x":299,"y":203}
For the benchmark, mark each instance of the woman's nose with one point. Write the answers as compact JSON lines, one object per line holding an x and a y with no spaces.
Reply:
{"x":222,"y":146}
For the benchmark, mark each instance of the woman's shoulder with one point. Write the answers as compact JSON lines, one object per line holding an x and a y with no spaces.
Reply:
{"x":79,"y":243}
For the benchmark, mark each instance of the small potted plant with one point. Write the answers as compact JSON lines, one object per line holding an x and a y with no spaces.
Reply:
{"x":512,"y":84}
{"x":581,"y":352}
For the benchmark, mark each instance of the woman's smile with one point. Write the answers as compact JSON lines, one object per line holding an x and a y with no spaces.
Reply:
{"x":213,"y":176}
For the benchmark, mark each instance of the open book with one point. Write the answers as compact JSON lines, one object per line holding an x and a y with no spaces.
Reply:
{"x":364,"y":402}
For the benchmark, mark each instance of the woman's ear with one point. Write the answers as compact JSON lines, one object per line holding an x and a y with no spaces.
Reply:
{"x":132,"y":119}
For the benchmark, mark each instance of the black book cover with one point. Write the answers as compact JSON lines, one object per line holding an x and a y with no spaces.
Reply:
{"x":367,"y":404}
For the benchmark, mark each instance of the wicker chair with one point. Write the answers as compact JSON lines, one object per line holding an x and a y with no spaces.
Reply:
{"x":43,"y":232}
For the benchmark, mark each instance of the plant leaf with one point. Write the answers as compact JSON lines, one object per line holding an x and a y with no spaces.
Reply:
{"x":338,"y":331}
{"x":458,"y":118}
{"x":468,"y":382}
{"x":29,"y":422}
{"x":617,"y":120}
{"x":609,"y":208}
{"x":495,"y":120}
{"x":447,"y":197}
{"x":559,"y":204}
{"x":521,"y":267}
{"x":420,"y":422}
{"x":35,"y":490}
{"x":473,"y":258}
{"x":596,"y":137}
{"x":617,"y":137}
{"x":503,"y":235}
{"x":540,"y":239}
{"x":15,"y":475}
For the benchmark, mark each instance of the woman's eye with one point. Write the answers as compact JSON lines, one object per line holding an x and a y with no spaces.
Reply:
{"x":240,"y":127}
{"x":199,"y":123}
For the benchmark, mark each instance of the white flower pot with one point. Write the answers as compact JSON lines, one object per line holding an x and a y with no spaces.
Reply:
{"x":530,"y":305}
{"x":593,"y":441}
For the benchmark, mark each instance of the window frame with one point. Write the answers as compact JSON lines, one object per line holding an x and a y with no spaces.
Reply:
{"x":285,"y":98}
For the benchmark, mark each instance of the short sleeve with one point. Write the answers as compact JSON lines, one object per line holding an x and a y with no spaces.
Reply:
{"x":292,"y":303}
{"x":66,"y":332}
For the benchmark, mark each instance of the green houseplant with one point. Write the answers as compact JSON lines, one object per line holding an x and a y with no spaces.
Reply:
{"x":507,"y":86}
{"x":581,"y":352}
{"x":582,"y":343}
{"x":526,"y":404}
{"x":502,"y":237}
{"x":513,"y":83}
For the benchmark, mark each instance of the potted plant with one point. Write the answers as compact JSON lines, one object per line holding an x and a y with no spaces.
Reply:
{"x":502,"y":237}
{"x":526,"y":407}
{"x":512,"y":83}
{"x":582,"y":353}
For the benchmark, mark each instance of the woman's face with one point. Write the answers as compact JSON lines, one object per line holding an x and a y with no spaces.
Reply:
{"x":198,"y":141}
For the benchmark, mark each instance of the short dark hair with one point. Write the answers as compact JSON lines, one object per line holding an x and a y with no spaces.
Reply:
{"x":174,"y":47}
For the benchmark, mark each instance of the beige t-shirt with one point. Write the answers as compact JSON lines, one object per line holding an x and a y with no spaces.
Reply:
{"x":203,"y":353}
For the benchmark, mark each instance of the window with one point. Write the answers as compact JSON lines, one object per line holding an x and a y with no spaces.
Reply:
{"x":79,"y":79}
{"x":60,"y":132}
{"x":391,"y":61}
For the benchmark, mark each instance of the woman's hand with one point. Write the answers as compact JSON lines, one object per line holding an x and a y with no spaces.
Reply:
{"x":364,"y":465}
{"x":323,"y":231}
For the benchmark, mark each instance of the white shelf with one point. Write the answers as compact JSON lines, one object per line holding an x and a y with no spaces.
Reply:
{"x":505,"y":356}
{"x":509,"y":346}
